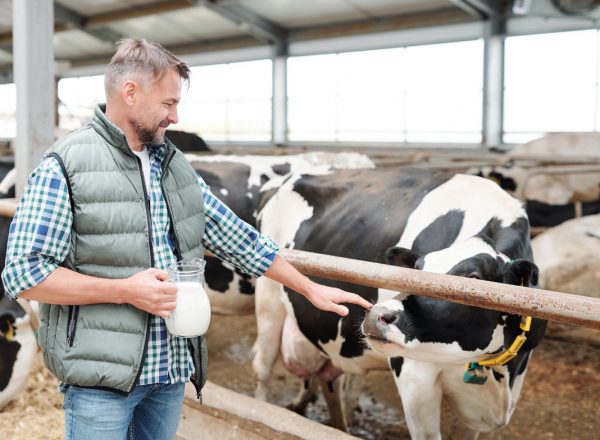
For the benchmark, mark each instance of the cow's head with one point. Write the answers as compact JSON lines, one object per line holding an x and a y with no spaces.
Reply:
{"x":434,"y":330}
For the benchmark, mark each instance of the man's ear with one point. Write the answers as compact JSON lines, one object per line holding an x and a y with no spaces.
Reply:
{"x":520,"y":273}
{"x":128,"y":91}
{"x":398,"y":256}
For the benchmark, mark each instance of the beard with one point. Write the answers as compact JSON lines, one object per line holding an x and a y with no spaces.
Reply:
{"x":149,"y":137}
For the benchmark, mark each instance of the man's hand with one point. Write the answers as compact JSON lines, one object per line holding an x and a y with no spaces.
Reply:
{"x":150,"y":291}
{"x":323,"y":297}
{"x":330,"y":299}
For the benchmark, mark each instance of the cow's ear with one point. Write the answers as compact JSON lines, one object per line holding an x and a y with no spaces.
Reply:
{"x":520,"y":273}
{"x":398,"y":256}
{"x":507,"y":183}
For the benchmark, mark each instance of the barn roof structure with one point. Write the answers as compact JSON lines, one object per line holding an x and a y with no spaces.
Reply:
{"x":83,"y":33}
{"x":85,"y":30}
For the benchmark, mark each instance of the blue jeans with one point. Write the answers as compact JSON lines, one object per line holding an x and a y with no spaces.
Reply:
{"x":148,"y":412}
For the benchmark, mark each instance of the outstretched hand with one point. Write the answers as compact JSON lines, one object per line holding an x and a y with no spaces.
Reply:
{"x":330,"y":299}
{"x":326,"y":298}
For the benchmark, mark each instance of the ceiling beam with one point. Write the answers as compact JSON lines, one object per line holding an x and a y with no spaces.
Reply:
{"x":449,"y":15}
{"x":437,"y":17}
{"x":93,"y":25}
{"x":6,"y":39}
{"x":64,"y":20}
{"x":138,"y":11}
{"x":250,"y":22}
{"x":480,"y":9}
{"x":409,"y":21}
{"x":213,"y":45}
{"x":77,"y":21}
{"x":202,"y":46}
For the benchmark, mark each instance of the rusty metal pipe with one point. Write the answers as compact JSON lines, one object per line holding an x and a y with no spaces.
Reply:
{"x":546,"y":304}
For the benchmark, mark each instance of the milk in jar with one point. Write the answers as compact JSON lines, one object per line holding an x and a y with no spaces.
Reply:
{"x":191,"y":316}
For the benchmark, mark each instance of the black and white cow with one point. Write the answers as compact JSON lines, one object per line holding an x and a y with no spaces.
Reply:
{"x":236,"y":180}
{"x":17,"y":340}
{"x":546,"y":215}
{"x":550,"y":189}
{"x":17,"y":346}
{"x":462,"y":225}
{"x":188,"y":142}
{"x":551,"y":198}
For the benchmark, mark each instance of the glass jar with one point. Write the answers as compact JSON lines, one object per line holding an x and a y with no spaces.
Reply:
{"x":191,"y":316}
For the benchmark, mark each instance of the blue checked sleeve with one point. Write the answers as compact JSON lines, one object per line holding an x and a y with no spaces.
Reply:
{"x":40,"y":232}
{"x":232,"y":239}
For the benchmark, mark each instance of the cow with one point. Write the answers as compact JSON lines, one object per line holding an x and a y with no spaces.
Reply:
{"x":568,"y":257}
{"x":18,"y":322}
{"x":545,"y":215}
{"x":551,"y":198}
{"x":457,"y":224}
{"x":17,"y":343}
{"x":187,"y":142}
{"x":17,"y":346}
{"x":236,"y":180}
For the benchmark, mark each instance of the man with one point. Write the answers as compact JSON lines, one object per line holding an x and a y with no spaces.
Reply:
{"x":109,"y":208}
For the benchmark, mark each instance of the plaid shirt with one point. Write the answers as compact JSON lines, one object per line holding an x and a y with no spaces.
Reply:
{"x":40,"y":235}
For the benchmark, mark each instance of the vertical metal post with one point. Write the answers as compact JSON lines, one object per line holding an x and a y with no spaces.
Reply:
{"x":493,"y":82}
{"x":33,"y":28}
{"x":279,"y":101}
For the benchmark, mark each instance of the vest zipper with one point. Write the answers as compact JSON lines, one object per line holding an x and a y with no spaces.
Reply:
{"x":175,"y":239}
{"x":71,"y":326}
{"x":151,"y":247}
{"x":169,"y":210}
{"x":148,"y":214}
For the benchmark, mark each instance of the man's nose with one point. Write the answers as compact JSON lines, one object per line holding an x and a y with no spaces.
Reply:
{"x":173,"y":118}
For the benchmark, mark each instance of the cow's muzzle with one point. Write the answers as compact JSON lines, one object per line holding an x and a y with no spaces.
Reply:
{"x":377,"y":322}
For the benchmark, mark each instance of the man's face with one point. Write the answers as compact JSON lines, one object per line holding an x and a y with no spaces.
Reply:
{"x":155,"y":108}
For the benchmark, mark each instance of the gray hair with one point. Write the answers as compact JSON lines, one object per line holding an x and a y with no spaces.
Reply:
{"x":141,"y":58}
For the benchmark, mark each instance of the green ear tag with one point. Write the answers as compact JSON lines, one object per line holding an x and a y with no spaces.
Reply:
{"x":474,"y":374}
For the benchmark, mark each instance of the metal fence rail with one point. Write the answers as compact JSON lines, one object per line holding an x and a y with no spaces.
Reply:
{"x":546,"y":304}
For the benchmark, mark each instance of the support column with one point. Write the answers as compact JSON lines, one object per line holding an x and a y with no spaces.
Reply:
{"x":493,"y":82}
{"x":33,"y":66}
{"x":279,"y":113}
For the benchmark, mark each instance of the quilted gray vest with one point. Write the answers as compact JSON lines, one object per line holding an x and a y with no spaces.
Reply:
{"x":103,"y":345}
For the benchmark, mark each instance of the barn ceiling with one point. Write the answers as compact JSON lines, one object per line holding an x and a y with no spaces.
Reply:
{"x":86,"y":30}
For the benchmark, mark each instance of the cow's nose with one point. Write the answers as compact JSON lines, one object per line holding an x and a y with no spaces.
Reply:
{"x":388,"y":317}
{"x":378,"y":319}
